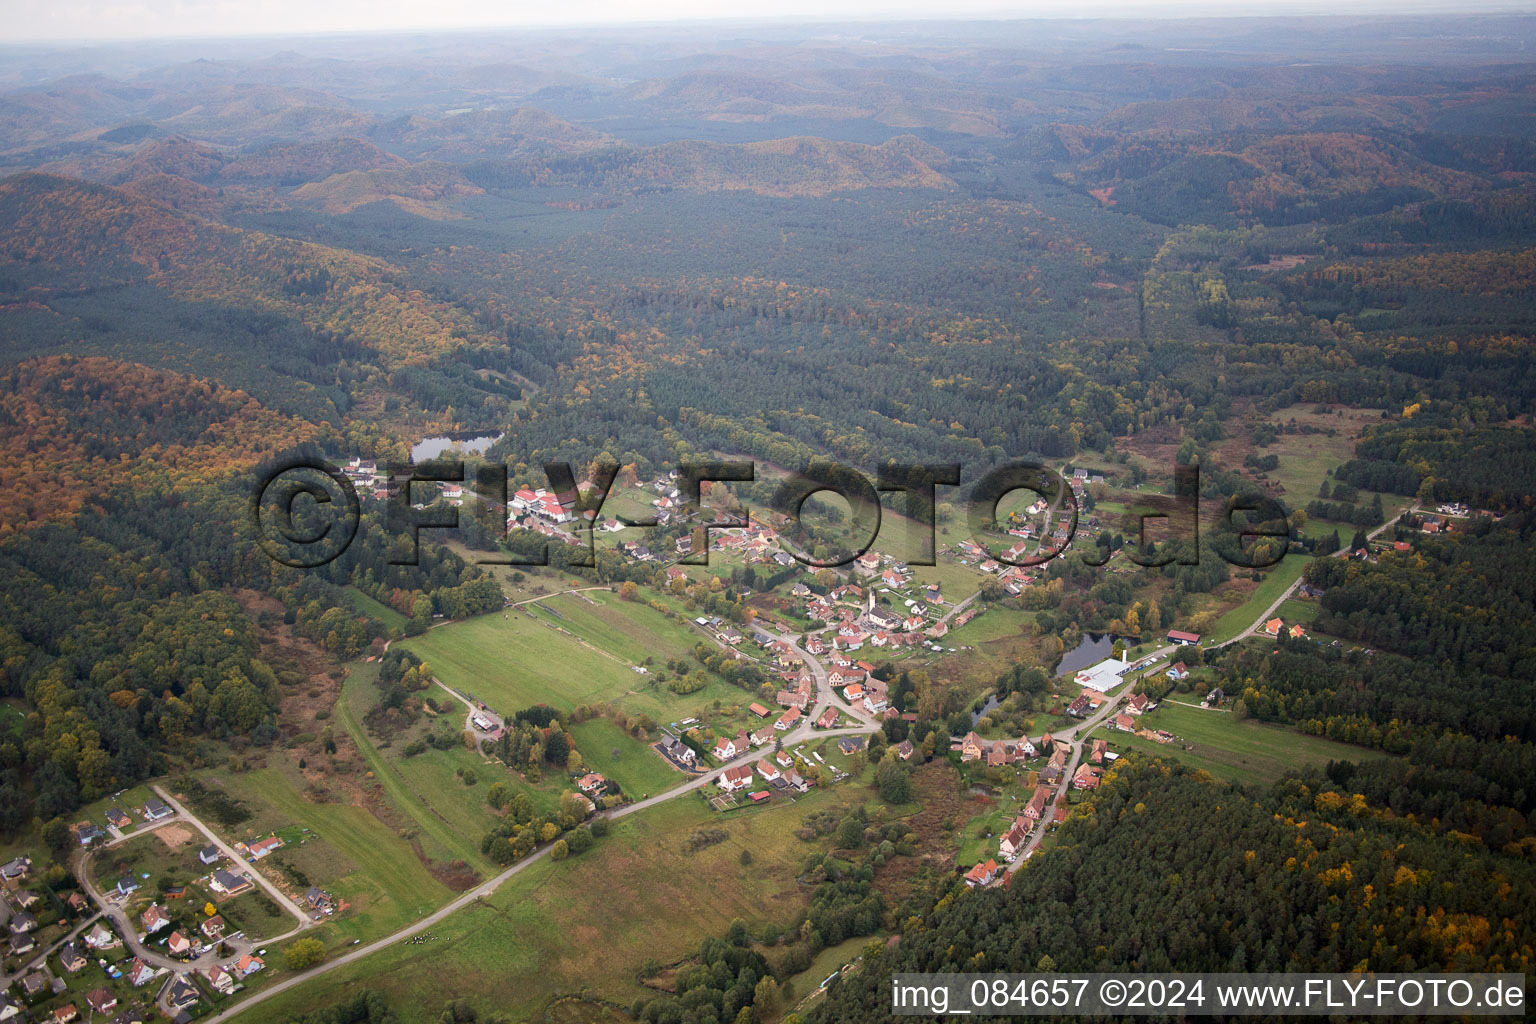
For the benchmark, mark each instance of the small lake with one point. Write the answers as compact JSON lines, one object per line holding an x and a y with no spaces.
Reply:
{"x":465,"y":444}
{"x":1093,"y":648}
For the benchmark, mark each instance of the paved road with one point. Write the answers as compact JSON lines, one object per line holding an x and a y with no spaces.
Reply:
{"x":801,"y":734}
{"x":1070,"y":737}
{"x":1269,"y":613}
{"x":110,"y":906}
{"x":1150,"y":663}
{"x":38,"y":959}
{"x":282,"y":898}
{"x":825,"y":697}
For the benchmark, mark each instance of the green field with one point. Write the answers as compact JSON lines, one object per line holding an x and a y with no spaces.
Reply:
{"x":1276,"y":581}
{"x":1297,"y":611}
{"x":567,"y":650}
{"x":1230,"y":749}
{"x":353,"y":854}
{"x":979,"y":836}
{"x":587,"y":923}
{"x":638,"y":769}
{"x":450,"y":815}
{"x":368,"y":606}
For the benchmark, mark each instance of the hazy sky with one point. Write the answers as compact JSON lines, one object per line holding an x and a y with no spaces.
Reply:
{"x":82,"y":20}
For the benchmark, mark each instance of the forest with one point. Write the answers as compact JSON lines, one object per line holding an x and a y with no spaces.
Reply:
{"x":1289,"y":259}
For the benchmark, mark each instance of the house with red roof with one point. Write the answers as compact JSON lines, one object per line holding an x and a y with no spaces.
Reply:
{"x":736,"y":778}
{"x":982,"y":874}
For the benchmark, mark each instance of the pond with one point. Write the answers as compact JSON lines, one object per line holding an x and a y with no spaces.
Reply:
{"x":1092,"y":649}
{"x":464,"y":444}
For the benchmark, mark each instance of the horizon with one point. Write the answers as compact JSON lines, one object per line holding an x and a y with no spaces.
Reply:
{"x":154,"y":21}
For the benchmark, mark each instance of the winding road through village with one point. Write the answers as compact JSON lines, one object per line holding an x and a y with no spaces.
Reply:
{"x":825,"y":697}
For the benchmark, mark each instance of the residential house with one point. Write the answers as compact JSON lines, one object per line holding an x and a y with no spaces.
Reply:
{"x":1273,"y":626}
{"x":1036,"y":806}
{"x":1138,"y":704}
{"x":1178,"y":636}
{"x":101,"y":1000}
{"x":23,"y":922}
{"x":1059,"y":814}
{"x":680,"y":752}
{"x":22,"y":943}
{"x":213,"y":928}
{"x":1013,"y":840}
{"x":156,"y":809}
{"x":154,"y":919}
{"x":222,"y":981}
{"x":87,"y":833}
{"x":262,"y":847}
{"x":34,"y":985}
{"x":101,"y":937}
{"x":787,"y":720}
{"x":25,"y":898}
{"x":905,"y":750}
{"x":248,"y":965}
{"x":724,"y":749}
{"x":791,"y":699}
{"x":785,"y":758}
{"x":828,"y":718}
{"x":178,"y":944}
{"x":228,"y":884}
{"x":9,"y":1008}
{"x":318,"y":898}
{"x":591,"y":782}
{"x":1178,"y":672}
{"x":12,"y":871}
{"x":139,"y":973}
{"x":182,"y":994}
{"x":982,"y":874}
{"x":850,"y":745}
{"x":1087,"y":777}
{"x":65,"y":1014}
{"x":118,"y":818}
{"x":1100,"y":748}
{"x":972,"y":747}
{"x":767,"y":770}
{"x":736,"y":778}
{"x":797,"y":782}
{"x":71,"y":958}
{"x":209,"y":854}
{"x":1079,"y":706}
{"x":1125,"y":722}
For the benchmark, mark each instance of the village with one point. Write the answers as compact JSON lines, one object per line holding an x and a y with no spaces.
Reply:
{"x":162,"y":919}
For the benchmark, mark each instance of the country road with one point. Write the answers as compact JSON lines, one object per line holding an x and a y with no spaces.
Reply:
{"x":1151,"y":662}
{"x":111,"y":908}
{"x":825,"y":697}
